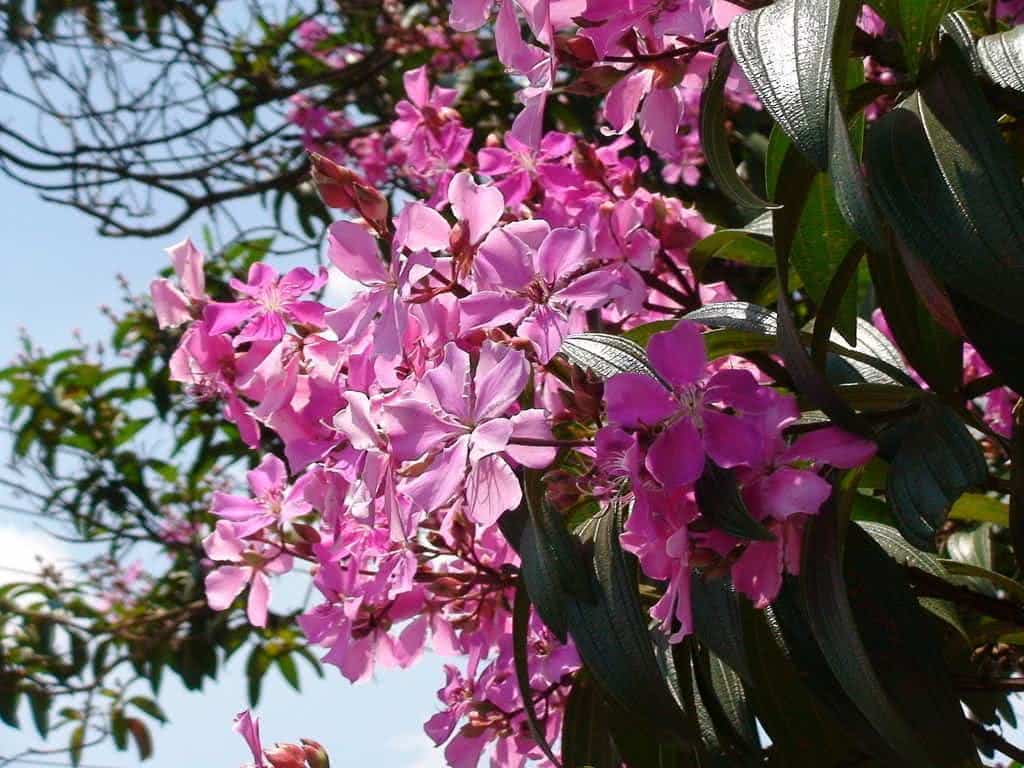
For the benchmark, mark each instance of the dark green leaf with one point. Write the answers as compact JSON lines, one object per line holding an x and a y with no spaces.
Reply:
{"x":900,"y":550}
{"x":718,"y":622}
{"x":41,"y":702}
{"x":586,"y":736}
{"x":611,"y":634}
{"x":935,"y":459}
{"x":718,"y":496}
{"x":949,"y":186}
{"x":520,"y":633}
{"x":824,"y":592}
{"x":286,"y":664}
{"x":148,"y":706}
{"x":905,"y":650}
{"x":916,"y":21}
{"x":715,"y":140}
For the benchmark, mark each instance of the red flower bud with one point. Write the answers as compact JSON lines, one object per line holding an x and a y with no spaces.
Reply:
{"x":341,"y":188}
{"x":286,"y":756}
{"x":316,"y":755}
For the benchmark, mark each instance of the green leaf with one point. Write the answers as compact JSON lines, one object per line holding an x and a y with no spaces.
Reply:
{"x":119,"y":729}
{"x":980,"y":508}
{"x":785,"y":50}
{"x":148,"y":706}
{"x":586,"y":729}
{"x":728,"y":726}
{"x":996,"y":338}
{"x":906,"y":651}
{"x":732,"y":245}
{"x":1013,"y":589}
{"x":520,"y":633}
{"x":900,"y":550}
{"x":935,"y":461}
{"x":948,"y":185}
{"x":1002,"y":58}
{"x":718,"y":621}
{"x":40,"y":703}
{"x":286,"y":665}
{"x":140,"y":734}
{"x":719,"y":500}
{"x":75,"y":745}
{"x":827,"y":605}
{"x":552,"y":564}
{"x":916,"y":21}
{"x":801,"y":727}
{"x":809,"y":380}
{"x":932,"y":350}
{"x":821,"y":243}
{"x":606,"y":355}
{"x":715,"y":140}
{"x":611,"y":633}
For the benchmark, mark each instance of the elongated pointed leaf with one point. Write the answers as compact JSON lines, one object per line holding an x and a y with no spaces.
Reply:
{"x":948,"y":185}
{"x":935,"y":460}
{"x":586,"y":734}
{"x":715,"y":140}
{"x":718,"y":621}
{"x":905,"y":650}
{"x":718,"y":496}
{"x":827,"y":605}
{"x":611,"y":633}
{"x":1002,"y":58}
{"x":785,"y":50}
{"x":916,"y":21}
{"x":900,"y":550}
{"x":606,"y":355}
{"x":520,"y":631}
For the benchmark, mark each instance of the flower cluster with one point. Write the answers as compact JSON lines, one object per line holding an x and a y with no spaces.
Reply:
{"x":407,"y":416}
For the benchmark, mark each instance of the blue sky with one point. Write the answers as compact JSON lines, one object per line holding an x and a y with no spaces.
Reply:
{"x":55,"y":275}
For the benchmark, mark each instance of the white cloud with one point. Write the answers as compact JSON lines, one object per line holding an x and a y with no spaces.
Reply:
{"x":24,"y":549}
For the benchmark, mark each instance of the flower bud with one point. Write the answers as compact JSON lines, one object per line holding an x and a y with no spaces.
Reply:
{"x":286,"y":756}
{"x":578,"y":50}
{"x":316,"y":755}
{"x":341,"y":188}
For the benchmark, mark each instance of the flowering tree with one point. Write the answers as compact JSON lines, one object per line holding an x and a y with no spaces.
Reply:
{"x":655,"y":456}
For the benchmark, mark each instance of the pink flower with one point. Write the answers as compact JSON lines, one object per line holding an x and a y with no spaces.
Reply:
{"x":248,"y":727}
{"x":533,"y":277}
{"x":458,"y":430}
{"x":226,"y":583}
{"x":273,"y":502}
{"x":425,"y":109}
{"x":174,"y":305}
{"x":519,"y":165}
{"x":356,"y":253}
{"x":680,"y":411}
{"x":272,"y":303}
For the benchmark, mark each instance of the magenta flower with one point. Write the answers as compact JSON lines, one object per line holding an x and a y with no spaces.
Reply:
{"x":356,"y":253}
{"x":255,"y":562}
{"x":273,"y":302}
{"x":533,"y":277}
{"x":273,"y":502}
{"x":680,"y":412}
{"x":175,"y":305}
{"x":426,"y":108}
{"x":248,"y":727}
{"x":457,"y":429}
{"x":516,"y":167}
